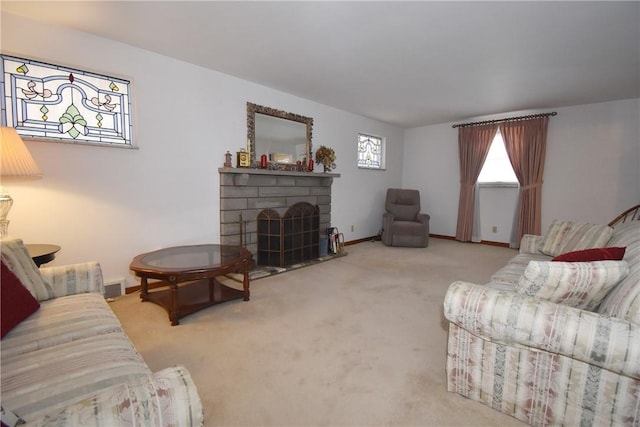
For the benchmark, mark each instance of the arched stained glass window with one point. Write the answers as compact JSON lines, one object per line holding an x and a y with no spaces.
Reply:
{"x":370,"y":152}
{"x":63,"y":104}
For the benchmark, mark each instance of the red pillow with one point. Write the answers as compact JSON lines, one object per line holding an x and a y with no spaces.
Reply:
{"x":595,"y":254}
{"x":16,"y":302}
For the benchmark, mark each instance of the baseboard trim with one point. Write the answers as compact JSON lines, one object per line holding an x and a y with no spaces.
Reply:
{"x":137,"y":288}
{"x":364,"y":239}
{"x":490,"y":243}
{"x":442,"y":236}
{"x":482,"y":242}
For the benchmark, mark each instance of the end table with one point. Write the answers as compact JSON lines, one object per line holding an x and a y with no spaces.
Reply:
{"x":41,"y":253}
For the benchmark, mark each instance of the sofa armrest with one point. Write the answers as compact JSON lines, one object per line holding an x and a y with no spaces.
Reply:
{"x":165,"y":398}
{"x":74,"y":278}
{"x":517,"y":320}
{"x":529,"y":244}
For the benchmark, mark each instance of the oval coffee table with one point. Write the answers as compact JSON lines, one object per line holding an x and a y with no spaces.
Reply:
{"x":189,"y":277}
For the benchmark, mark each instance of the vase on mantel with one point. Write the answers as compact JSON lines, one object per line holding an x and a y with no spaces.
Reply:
{"x":327,"y":168}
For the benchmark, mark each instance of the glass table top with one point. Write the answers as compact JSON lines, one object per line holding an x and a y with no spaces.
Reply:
{"x":193,"y":257}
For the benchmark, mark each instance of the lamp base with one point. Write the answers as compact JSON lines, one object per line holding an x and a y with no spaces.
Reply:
{"x":5,"y":206}
{"x":4,"y":227}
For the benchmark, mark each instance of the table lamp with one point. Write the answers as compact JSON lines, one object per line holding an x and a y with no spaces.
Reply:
{"x":15,"y":161}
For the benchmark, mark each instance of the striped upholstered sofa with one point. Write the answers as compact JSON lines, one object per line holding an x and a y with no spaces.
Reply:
{"x":69,"y":363}
{"x":553,"y":342}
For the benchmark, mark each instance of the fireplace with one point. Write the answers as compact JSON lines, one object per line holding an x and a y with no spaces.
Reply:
{"x":289,"y":239}
{"x":246,"y":192}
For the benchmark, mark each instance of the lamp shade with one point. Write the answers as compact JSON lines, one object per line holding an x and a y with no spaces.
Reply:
{"x":14,"y":155}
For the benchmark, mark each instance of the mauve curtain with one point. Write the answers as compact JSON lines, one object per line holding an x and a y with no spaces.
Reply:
{"x":473,"y":146}
{"x":526,"y":144}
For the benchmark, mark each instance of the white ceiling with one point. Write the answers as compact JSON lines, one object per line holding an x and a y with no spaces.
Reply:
{"x":407,"y":63}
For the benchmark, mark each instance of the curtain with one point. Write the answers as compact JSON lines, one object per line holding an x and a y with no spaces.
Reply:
{"x":473,"y":145}
{"x":526,"y":143}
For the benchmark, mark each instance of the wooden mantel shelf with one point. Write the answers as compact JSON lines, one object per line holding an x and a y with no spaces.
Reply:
{"x":251,"y":171}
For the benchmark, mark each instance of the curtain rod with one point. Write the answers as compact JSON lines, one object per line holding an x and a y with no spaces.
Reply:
{"x":506,"y":119}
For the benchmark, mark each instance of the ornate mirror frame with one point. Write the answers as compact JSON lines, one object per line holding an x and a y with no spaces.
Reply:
{"x":252,"y":109}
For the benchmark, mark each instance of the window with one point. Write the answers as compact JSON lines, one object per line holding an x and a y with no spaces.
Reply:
{"x":497,"y":167}
{"x":64,"y":104}
{"x":370,"y":152}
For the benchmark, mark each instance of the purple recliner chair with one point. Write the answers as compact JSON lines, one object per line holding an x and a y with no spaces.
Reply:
{"x":402,"y":223}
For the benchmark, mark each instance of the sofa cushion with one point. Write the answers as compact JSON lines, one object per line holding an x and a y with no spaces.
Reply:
{"x":15,"y":255}
{"x":59,"y":321}
{"x":566,"y":236}
{"x":48,"y":379}
{"x":624,"y":300}
{"x":16,"y":303}
{"x":595,"y":254}
{"x":507,"y":277}
{"x":578,"y":284}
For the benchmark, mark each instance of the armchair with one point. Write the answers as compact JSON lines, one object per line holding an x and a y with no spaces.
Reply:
{"x":402,"y":222}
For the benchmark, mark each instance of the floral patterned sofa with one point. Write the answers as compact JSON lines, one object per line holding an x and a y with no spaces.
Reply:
{"x":554,"y":342}
{"x":66,"y":360}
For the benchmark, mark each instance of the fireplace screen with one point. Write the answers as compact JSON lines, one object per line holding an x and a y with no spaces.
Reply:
{"x":290,"y":239}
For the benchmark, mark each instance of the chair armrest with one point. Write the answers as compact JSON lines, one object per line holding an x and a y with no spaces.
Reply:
{"x":387,"y":221}
{"x":517,"y":320}
{"x":423,"y":218}
{"x":529,"y":244}
{"x":74,"y":278}
{"x":387,"y":224}
{"x":166,"y":398}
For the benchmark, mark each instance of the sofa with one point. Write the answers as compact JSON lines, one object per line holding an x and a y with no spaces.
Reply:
{"x":554,"y":337}
{"x":66,"y":360}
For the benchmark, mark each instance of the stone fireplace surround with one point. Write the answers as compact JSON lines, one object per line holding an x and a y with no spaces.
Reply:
{"x":244,"y":192}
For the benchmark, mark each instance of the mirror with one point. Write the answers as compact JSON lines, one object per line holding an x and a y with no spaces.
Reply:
{"x":284,"y":137}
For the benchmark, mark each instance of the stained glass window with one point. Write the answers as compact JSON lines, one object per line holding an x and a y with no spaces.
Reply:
{"x":370,"y":152}
{"x":46,"y":101}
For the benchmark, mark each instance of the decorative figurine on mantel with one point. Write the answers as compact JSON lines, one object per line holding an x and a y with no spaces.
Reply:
{"x":227,"y":160}
{"x":327,"y":157}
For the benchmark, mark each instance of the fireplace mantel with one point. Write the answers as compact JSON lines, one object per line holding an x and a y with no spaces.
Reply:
{"x":250,"y":171}
{"x":244,"y":192}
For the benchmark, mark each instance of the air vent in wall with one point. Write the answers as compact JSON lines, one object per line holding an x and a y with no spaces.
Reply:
{"x":112,"y":289}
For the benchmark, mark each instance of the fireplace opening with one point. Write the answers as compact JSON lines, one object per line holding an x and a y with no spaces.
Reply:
{"x":290,"y":239}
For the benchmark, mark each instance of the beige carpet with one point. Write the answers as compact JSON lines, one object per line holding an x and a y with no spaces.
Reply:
{"x":355,"y":341}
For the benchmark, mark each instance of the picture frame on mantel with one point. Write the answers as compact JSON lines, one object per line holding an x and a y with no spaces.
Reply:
{"x":243,"y":159}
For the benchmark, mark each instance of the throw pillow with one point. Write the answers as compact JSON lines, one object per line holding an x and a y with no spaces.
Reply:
{"x":566,"y":236}
{"x":14,"y":254}
{"x":595,"y":254}
{"x":578,"y":284}
{"x":16,"y":303}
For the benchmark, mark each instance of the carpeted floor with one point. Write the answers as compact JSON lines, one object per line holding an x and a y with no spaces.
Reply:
{"x":355,"y":341}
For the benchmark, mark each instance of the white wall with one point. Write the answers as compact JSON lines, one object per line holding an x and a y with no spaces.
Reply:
{"x":592,"y":167}
{"x":497,"y":208}
{"x":109,"y":204}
